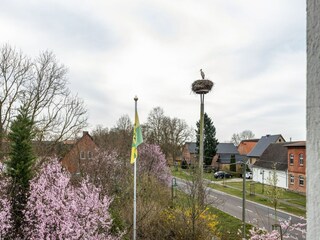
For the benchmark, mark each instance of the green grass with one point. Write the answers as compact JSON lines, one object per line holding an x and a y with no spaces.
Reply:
{"x":235,"y":188}
{"x":227,"y":226}
{"x":289,"y":196}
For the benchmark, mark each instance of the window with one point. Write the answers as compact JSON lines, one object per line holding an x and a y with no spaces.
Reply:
{"x":291,"y":157}
{"x":291,"y":179}
{"x":82,"y":156}
{"x":89,"y":155}
{"x":301,"y":180}
{"x":301,"y":159}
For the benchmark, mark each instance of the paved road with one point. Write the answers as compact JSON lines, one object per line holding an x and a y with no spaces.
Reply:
{"x":256,"y":214}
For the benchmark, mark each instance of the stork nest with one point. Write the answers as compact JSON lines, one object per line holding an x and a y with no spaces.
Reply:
{"x":202,"y":86}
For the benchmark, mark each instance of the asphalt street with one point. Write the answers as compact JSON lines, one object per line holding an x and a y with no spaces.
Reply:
{"x":256,"y":214}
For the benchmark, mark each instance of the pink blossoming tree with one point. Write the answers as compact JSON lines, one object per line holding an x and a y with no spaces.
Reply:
{"x":5,"y":206}
{"x":152,"y":161}
{"x":58,"y":210}
{"x":289,"y":231}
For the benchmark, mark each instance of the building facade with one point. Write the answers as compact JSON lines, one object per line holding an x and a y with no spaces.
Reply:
{"x":80,"y":151}
{"x":297,"y":166}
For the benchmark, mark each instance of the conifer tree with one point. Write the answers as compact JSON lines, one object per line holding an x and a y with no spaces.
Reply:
{"x":210,"y":141}
{"x":19,"y":167}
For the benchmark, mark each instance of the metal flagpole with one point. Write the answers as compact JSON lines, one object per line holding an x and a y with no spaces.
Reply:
{"x":135,"y":187}
{"x":135,"y":201}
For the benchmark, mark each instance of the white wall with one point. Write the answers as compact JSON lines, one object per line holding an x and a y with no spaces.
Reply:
{"x":263,"y":175}
{"x":313,"y":116}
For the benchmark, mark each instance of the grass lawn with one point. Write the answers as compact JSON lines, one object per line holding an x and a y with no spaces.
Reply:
{"x":235,"y":188}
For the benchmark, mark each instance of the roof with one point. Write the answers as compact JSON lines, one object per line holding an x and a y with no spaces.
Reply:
{"x":192,"y":147}
{"x":227,"y":148}
{"x":246,"y":146}
{"x":275,"y":154}
{"x":296,"y":144}
{"x":262,"y":145}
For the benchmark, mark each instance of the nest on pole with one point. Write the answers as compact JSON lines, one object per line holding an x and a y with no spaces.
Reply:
{"x":202,"y":86}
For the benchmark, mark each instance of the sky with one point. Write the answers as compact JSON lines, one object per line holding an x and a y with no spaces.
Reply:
{"x":253,"y":50}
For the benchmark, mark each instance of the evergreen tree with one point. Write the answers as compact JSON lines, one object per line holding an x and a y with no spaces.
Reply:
{"x":210,"y":141}
{"x":233,"y":167}
{"x":19,"y":167}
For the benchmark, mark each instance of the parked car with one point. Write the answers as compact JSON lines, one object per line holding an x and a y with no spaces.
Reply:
{"x":222,"y":174}
{"x":248,"y":175}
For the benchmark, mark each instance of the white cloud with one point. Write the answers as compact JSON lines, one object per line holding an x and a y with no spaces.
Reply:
{"x":254,"y":51}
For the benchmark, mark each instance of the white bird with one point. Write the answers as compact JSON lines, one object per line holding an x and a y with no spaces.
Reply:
{"x":202,"y":74}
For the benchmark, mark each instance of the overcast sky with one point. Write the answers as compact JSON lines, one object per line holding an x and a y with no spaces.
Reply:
{"x":253,"y":50}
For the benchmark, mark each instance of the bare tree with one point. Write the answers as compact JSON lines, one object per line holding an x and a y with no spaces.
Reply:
{"x":154,"y":126}
{"x":244,"y":135}
{"x":40,"y":85}
{"x":15,"y":71}
{"x":118,"y":138}
{"x":176,"y":133}
{"x":169,"y":133}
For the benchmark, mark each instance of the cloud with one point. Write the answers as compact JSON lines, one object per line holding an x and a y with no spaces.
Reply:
{"x":254,"y":51}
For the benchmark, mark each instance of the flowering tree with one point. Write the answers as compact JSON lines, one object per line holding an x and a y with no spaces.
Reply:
{"x":153,"y":162}
{"x":5,"y":206}
{"x":58,"y":210}
{"x":289,"y":231}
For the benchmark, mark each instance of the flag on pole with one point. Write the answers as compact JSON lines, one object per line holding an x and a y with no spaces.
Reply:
{"x":137,"y":139}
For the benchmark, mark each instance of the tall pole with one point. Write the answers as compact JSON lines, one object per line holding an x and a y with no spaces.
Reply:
{"x":244,"y":200}
{"x":200,"y":177}
{"x":135,"y":187}
{"x":201,"y":135}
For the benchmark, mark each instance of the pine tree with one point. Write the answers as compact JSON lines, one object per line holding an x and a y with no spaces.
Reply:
{"x":19,"y":167}
{"x":210,"y":141}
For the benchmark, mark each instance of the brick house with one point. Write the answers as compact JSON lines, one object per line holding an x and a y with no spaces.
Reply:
{"x":189,"y":152}
{"x":296,"y":158}
{"x":84,"y":149}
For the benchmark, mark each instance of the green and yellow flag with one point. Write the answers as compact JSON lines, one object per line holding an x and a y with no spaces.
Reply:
{"x":137,"y":139}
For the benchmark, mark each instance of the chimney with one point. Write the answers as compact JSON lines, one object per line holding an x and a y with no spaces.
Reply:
{"x":85,"y":133}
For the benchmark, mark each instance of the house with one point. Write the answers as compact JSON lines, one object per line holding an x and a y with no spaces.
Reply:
{"x":272,"y":161}
{"x":76,"y":152}
{"x":189,"y":152}
{"x":296,"y":159}
{"x":262,"y":145}
{"x":246,"y":146}
{"x":226,"y":157}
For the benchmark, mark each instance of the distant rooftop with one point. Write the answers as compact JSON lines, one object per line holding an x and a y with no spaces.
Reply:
{"x":227,"y":148}
{"x":274,"y":156}
{"x":263,"y":143}
{"x":192,"y":146}
{"x":296,"y":144}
